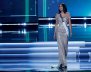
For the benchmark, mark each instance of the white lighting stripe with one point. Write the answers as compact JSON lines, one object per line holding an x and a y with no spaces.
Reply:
{"x":89,"y":56}
{"x":54,"y":18}
{"x":71,"y":60}
{"x":46,"y":19}
{"x":20,"y":24}
{"x":17,"y":69}
{"x":37,"y":49}
{"x":27,"y":61}
{"x":31,"y":54}
{"x":54,"y":42}
{"x":42,"y":26}
{"x":81,"y":18}
{"x":34,"y":68}
{"x":29,"y":64}
{"x":17,"y":32}
{"x":47,"y":54}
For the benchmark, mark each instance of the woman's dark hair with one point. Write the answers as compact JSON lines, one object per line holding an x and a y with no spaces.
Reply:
{"x":64,"y":8}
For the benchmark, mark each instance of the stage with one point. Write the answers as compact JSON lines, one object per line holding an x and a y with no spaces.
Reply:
{"x":41,"y":56}
{"x":27,"y":41}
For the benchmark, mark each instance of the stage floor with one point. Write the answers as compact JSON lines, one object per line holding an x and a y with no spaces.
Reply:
{"x":36,"y":51}
{"x":42,"y":56}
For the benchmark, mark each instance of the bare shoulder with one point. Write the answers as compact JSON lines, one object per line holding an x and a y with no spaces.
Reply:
{"x":68,"y":14}
{"x":56,"y":15}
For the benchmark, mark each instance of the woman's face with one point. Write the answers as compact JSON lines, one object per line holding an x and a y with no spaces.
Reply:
{"x":60,"y":7}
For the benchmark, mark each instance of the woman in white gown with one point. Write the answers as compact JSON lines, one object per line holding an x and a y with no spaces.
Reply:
{"x":61,"y":33}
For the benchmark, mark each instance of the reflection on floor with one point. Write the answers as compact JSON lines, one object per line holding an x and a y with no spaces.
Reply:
{"x":44,"y":33}
{"x":21,"y":55}
{"x":41,"y":56}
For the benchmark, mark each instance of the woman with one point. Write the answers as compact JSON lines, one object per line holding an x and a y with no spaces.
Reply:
{"x":61,"y":33}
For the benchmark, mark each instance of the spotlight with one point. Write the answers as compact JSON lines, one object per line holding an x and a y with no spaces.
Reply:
{"x":24,"y":24}
{"x":19,"y":32}
{"x":23,"y":31}
{"x":85,"y":18}
{"x":85,"y":25}
{"x":0,"y":31}
{"x":49,"y":18}
{"x":0,"y":24}
{"x":50,"y":25}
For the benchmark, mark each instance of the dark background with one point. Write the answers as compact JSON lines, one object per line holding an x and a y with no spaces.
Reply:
{"x":18,"y":11}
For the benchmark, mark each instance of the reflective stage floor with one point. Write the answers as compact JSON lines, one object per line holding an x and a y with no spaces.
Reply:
{"x":36,"y":51}
{"x":42,"y":56}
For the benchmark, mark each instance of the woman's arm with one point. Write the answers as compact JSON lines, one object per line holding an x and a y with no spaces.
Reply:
{"x":56,"y":23}
{"x":55,"y":27}
{"x":69,"y":20}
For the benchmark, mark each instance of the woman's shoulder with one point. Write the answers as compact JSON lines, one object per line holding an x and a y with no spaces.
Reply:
{"x":68,"y":14}
{"x":57,"y":14}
